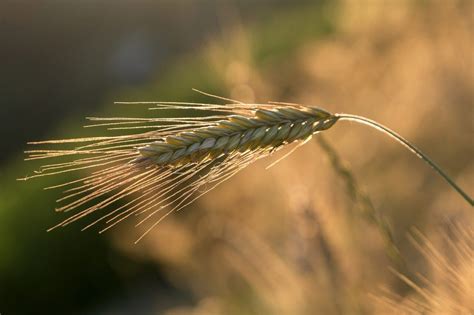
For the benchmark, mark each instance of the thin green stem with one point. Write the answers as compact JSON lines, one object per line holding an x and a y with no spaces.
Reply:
{"x":410,"y":147}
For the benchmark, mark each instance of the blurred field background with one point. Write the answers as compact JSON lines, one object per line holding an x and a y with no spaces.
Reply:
{"x":298,"y":238}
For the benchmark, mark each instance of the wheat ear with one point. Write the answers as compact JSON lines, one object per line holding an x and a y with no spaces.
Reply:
{"x":179,"y":159}
{"x":176,"y":162}
{"x":267,"y":130}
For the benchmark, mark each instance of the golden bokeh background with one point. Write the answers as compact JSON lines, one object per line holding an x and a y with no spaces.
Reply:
{"x":300,"y":237}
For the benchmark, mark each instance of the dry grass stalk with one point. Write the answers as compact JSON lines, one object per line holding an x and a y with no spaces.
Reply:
{"x":362,"y":200}
{"x":181,"y":158}
{"x":449,"y":287}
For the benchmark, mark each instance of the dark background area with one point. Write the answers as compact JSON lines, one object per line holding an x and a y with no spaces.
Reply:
{"x":61,"y":58}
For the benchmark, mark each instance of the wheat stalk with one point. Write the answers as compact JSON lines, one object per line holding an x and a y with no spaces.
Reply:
{"x":409,"y":146}
{"x":179,"y":159}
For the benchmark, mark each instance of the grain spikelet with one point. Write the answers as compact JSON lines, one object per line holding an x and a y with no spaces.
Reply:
{"x":154,"y":173}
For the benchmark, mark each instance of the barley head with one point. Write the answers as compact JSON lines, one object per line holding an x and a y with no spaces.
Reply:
{"x":181,"y":158}
{"x":154,"y":173}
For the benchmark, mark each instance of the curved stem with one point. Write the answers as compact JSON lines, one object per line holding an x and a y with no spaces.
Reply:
{"x":409,"y":146}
